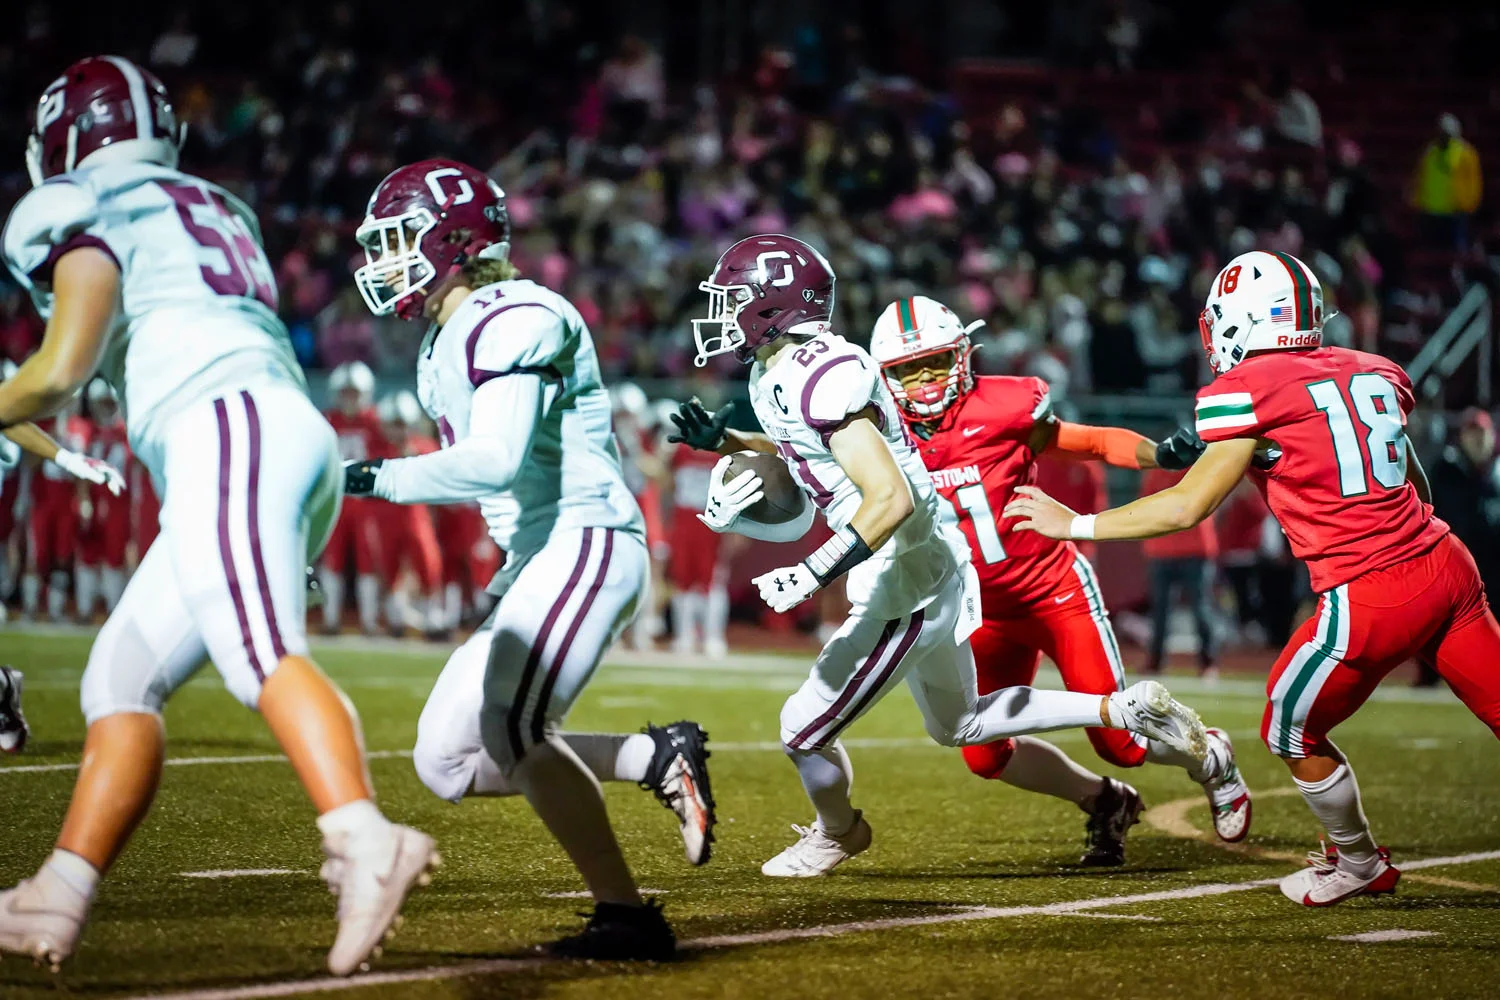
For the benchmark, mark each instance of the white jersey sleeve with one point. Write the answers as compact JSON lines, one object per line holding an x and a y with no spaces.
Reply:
{"x":46,"y":223}
{"x":519,"y":337}
{"x":837,"y":390}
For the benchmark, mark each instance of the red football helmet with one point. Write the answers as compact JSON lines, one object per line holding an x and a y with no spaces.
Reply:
{"x":423,"y":222}
{"x":104,"y":107}
{"x":763,"y":288}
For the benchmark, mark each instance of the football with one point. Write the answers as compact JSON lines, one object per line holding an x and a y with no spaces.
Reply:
{"x":784,"y":499}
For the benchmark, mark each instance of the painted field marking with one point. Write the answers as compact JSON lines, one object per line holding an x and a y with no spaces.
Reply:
{"x":1171,"y":818}
{"x":581,"y":894}
{"x":462,"y":970}
{"x":239,"y":873}
{"x":1380,"y":937}
{"x":1115,"y":916}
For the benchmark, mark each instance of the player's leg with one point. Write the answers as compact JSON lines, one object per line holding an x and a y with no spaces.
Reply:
{"x":116,"y":541}
{"x":365,"y":528}
{"x":716,"y":606}
{"x":1159,"y":573}
{"x":427,"y":564}
{"x":38,"y":549}
{"x":331,"y":574}
{"x":1198,"y":588}
{"x":1466,"y":651}
{"x":144,"y":652}
{"x":241,"y":529}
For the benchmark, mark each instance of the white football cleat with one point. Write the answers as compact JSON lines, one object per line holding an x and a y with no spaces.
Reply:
{"x":41,"y":918}
{"x":371,"y":882}
{"x":1149,"y":710}
{"x":1228,"y":795}
{"x":818,"y":853}
{"x":1324,"y":883}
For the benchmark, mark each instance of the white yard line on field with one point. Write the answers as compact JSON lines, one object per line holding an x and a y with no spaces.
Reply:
{"x":1380,"y":937}
{"x":239,"y":873}
{"x":462,"y":970}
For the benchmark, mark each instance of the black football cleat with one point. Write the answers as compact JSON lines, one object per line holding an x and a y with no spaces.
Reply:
{"x":678,"y":776}
{"x":13,"y":731}
{"x":619,"y":933}
{"x":1116,"y":809}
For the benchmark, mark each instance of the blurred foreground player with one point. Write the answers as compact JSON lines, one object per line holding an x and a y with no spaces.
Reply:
{"x":1322,"y":432}
{"x":157,"y":279}
{"x":981,"y":437}
{"x":830,"y":417}
{"x":507,"y":369}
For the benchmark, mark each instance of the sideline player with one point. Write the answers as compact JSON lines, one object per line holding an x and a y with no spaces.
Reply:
{"x":828,"y":414}
{"x":357,"y":533}
{"x":1322,"y":432}
{"x":409,"y":545}
{"x":104,"y":535}
{"x":696,"y":566}
{"x":981,"y":436}
{"x":508,"y":371}
{"x":157,"y":279}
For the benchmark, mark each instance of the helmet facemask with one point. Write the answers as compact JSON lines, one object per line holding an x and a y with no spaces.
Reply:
{"x":923,"y":402}
{"x":396,"y":270}
{"x":719,"y":332}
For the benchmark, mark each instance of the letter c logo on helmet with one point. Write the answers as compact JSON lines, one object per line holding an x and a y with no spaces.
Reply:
{"x":786,"y":268}
{"x":435,"y":185}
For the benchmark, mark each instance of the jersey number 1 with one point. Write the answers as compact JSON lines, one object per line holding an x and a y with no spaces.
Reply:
{"x":1379,"y":411}
{"x":972,"y":499}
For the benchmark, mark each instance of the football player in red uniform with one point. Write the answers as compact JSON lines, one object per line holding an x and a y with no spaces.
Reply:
{"x":695,"y":567}
{"x":409,"y":542}
{"x":104,"y":534}
{"x":980,"y":437}
{"x":352,"y":386}
{"x":1322,"y":432}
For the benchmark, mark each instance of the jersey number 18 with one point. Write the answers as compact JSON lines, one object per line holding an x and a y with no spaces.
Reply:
{"x":1378,"y":409}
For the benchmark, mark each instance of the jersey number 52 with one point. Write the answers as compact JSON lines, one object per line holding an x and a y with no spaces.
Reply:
{"x":1379,"y":413}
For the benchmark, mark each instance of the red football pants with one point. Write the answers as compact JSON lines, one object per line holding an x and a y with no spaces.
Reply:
{"x":53,"y":528}
{"x":409,"y":541}
{"x":357,"y":531}
{"x":1076,"y":635}
{"x":103,"y":540}
{"x":694,"y":556}
{"x":1432,"y":608}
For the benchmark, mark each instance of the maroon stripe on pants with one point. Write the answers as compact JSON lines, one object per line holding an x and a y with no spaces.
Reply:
{"x":845,"y":696}
{"x":873,"y":691}
{"x":539,"y":720}
{"x":533,"y":659}
{"x":252,"y":418}
{"x":226,"y":552}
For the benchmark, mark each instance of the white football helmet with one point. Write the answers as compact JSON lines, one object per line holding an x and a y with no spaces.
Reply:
{"x":918,"y":327}
{"x":355,"y":375}
{"x":401,"y":408}
{"x":1261,"y":302}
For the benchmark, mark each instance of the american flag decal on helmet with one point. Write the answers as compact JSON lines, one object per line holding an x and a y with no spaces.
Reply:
{"x":1282,"y":314}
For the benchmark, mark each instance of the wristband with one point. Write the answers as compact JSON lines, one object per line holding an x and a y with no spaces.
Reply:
{"x":1082,"y":526}
{"x":837,"y":556}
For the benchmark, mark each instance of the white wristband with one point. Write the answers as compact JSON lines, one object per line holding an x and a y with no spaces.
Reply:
{"x":1082,"y":526}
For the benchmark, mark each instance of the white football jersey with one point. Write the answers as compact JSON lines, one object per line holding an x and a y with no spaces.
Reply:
{"x":800,"y":401}
{"x":571,"y":477}
{"x":198,"y":296}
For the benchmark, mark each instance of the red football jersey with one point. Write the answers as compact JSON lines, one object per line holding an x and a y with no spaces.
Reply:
{"x":978,"y":456}
{"x":1335,"y":423}
{"x":360,"y":437}
{"x":108,"y":443}
{"x":691,"y":472}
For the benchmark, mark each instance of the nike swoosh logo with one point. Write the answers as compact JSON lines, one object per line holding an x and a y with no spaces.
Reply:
{"x":971,"y":431}
{"x":1059,"y":600}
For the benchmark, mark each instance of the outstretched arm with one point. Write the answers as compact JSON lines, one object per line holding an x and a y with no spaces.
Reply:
{"x":1177,"y":508}
{"x":1416,"y":475}
{"x":697,"y":428}
{"x":1115,"y":445}
{"x":86,"y":290}
{"x":885,"y":495}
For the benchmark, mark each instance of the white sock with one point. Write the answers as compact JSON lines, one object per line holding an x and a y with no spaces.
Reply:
{"x":613,"y":757}
{"x":1017,"y":711}
{"x":432,"y":614}
{"x":333,"y":598}
{"x":684,"y":623}
{"x":114,"y":586}
{"x":31,"y":594}
{"x":453,"y":605}
{"x":827,"y":777}
{"x":1335,"y":801}
{"x":1200,"y":771}
{"x":57,"y":595}
{"x":1038,"y":766}
{"x":355,"y":820}
{"x":74,"y":871}
{"x":86,"y":590}
{"x":367,"y":595}
{"x":716,"y":614}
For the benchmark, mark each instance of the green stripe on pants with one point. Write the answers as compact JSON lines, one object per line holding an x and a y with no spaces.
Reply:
{"x":1320,"y":656}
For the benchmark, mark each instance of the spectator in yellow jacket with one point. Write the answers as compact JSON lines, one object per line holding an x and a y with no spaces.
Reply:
{"x":1446,"y":187}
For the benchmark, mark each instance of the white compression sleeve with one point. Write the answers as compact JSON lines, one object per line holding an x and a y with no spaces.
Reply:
{"x":503,"y":416}
{"x":787,"y":531}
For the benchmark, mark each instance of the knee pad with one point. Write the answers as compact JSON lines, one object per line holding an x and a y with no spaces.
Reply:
{"x":1117,"y":747}
{"x":448,"y":775}
{"x":988,"y":760}
{"x":121,"y":675}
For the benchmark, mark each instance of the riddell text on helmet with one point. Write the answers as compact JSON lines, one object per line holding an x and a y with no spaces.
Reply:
{"x":1299,"y":340}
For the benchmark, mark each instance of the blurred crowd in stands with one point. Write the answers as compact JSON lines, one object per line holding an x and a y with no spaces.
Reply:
{"x":629,"y":164}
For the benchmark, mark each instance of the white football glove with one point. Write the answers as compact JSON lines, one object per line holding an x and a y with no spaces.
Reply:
{"x":90,"y":469}
{"x":10,"y":454}
{"x":787,"y":587}
{"x":726,"y":501}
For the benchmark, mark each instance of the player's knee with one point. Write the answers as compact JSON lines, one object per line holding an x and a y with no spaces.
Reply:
{"x":1117,"y":747}
{"x":447,"y":773}
{"x":505,"y":747}
{"x":121,"y":674}
{"x":962,"y":732}
{"x":988,"y":760}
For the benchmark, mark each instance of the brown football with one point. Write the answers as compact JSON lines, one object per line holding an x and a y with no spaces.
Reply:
{"x":784,"y":499}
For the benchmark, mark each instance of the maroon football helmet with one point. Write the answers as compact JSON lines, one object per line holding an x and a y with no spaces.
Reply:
{"x":763,"y":288}
{"x":423,"y":222}
{"x":102,"y":103}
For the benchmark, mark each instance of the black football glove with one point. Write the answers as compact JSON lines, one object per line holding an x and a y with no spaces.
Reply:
{"x":1180,"y":450}
{"x":359,"y":477}
{"x":697,"y":428}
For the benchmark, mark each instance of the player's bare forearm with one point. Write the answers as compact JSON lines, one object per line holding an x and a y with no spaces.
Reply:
{"x":1416,"y":475}
{"x":746,"y":441}
{"x":885,"y":494}
{"x":35,"y":440}
{"x":86,"y":290}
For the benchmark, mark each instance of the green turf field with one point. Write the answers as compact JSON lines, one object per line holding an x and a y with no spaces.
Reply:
{"x":967,"y":892}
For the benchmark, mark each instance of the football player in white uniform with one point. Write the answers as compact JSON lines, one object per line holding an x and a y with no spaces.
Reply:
{"x":508,"y":372}
{"x":827,"y":412}
{"x":157,"y":280}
